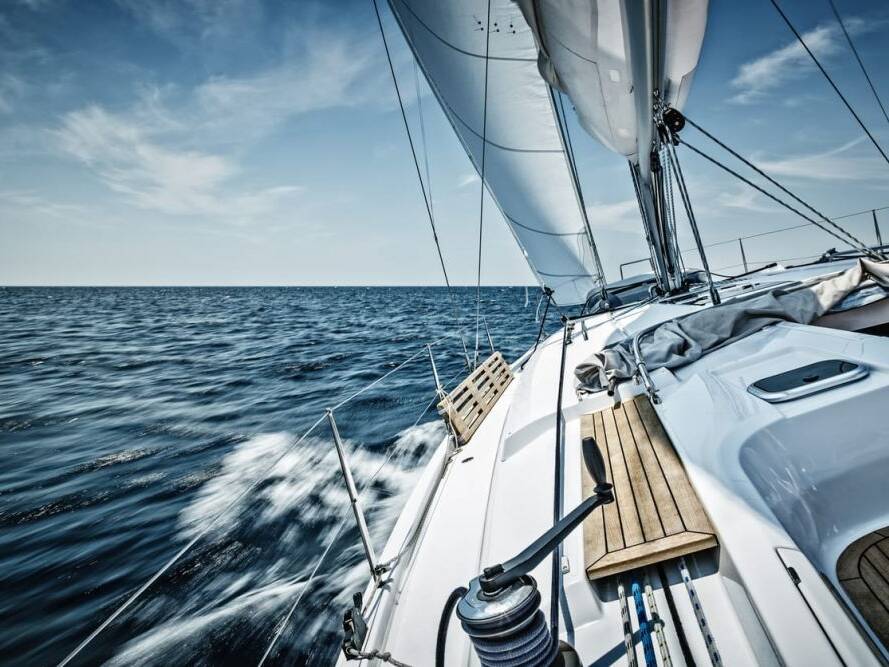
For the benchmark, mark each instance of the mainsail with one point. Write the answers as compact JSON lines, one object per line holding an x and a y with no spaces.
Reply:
{"x":527,"y":168}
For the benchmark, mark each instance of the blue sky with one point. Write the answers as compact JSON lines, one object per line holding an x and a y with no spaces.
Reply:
{"x":238,"y":142}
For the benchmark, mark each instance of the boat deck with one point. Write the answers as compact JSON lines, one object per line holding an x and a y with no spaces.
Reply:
{"x":656,"y":514}
{"x":863,"y":570}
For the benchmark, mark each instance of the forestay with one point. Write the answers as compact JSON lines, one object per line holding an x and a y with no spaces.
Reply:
{"x":527,"y":170}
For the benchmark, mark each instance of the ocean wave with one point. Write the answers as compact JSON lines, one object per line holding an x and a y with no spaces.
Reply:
{"x":299,"y":493}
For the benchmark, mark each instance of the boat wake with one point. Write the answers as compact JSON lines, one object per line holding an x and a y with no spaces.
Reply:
{"x":225,"y":599}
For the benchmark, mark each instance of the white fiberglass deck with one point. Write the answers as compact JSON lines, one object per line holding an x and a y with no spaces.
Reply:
{"x":786,"y":487}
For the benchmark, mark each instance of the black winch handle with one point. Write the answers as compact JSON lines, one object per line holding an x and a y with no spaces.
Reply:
{"x":500,"y":576}
{"x":592,"y":456}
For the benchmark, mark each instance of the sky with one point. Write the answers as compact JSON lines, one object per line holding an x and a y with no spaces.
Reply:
{"x":238,"y":142}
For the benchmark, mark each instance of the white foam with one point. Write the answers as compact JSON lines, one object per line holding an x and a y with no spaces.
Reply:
{"x":305,"y":489}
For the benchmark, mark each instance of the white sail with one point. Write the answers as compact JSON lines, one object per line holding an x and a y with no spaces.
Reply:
{"x":601,"y":53}
{"x":616,"y":59}
{"x":527,"y":170}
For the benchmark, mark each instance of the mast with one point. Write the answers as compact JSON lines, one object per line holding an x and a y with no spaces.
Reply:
{"x":647,"y":56}
{"x":644,"y":54}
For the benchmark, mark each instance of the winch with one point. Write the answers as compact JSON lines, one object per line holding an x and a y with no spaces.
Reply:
{"x":500,"y":610}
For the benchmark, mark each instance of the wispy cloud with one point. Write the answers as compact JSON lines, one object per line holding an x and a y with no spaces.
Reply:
{"x":12,"y":87}
{"x":744,"y":199}
{"x":618,"y":215}
{"x":758,"y":78}
{"x":836,"y":164}
{"x":151,"y":176}
{"x":190,"y":24}
{"x":180,"y":150}
{"x":330,"y":71}
{"x":34,"y":202}
{"x":467,"y":179}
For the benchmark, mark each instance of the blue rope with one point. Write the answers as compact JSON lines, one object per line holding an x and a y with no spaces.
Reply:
{"x":644,"y":626}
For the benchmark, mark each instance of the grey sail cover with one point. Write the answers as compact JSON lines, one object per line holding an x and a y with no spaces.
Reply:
{"x":526,"y":165}
{"x":684,"y":340}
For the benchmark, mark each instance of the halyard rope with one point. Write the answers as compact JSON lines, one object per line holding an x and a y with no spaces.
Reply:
{"x":481,"y":199}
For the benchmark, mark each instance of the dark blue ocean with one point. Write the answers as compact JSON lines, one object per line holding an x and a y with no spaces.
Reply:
{"x":130,"y":417}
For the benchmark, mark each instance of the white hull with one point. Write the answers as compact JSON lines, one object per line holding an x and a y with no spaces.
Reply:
{"x":785,"y":485}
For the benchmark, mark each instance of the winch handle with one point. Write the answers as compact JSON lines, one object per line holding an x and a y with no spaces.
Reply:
{"x":500,"y":576}
{"x":595,"y":464}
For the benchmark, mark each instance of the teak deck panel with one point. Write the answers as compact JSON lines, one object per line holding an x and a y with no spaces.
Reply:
{"x":466,"y":407}
{"x":656,"y":514}
{"x":863,"y":570}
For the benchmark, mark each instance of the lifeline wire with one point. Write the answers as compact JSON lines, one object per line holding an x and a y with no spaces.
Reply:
{"x":398,"y":367}
{"x":410,"y":139}
{"x":860,"y":244}
{"x":784,"y":229}
{"x":829,"y":80}
{"x":144,"y":587}
{"x":284,"y":622}
{"x":481,"y":199}
{"x":207,"y":527}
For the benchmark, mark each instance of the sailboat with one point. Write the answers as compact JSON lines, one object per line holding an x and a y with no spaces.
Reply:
{"x":691,"y":470}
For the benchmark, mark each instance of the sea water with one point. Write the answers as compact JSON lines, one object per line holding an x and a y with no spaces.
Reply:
{"x":130,"y":418}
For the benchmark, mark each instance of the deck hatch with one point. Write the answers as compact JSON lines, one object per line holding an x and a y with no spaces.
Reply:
{"x":656,"y":514}
{"x":807,"y":380}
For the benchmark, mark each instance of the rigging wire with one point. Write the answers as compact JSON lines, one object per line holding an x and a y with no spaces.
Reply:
{"x":481,"y":200}
{"x":858,"y":58}
{"x":207,"y":527}
{"x":423,"y":138}
{"x":572,"y":163}
{"x":781,"y":202}
{"x":785,"y":229}
{"x":829,"y":80}
{"x":426,"y":197}
{"x":342,"y":524}
{"x":855,"y":242}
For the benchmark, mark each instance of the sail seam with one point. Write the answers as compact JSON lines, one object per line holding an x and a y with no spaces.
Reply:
{"x":541,"y":231}
{"x":512,"y":149}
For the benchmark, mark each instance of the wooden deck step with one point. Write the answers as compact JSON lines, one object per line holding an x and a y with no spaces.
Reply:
{"x":466,"y":407}
{"x":863,"y":570}
{"x":656,"y":514}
